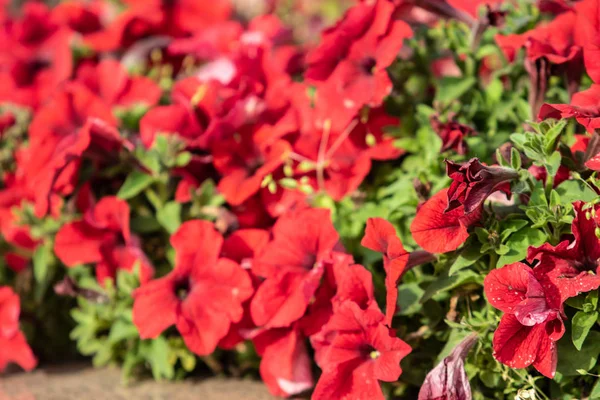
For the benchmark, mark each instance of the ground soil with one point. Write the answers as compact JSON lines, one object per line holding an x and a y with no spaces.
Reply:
{"x":83,"y":383}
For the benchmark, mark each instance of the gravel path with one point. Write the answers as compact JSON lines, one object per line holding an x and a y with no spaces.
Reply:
{"x":78,"y":383}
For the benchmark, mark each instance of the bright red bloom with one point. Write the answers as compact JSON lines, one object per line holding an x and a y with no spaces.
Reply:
{"x":293,"y":265}
{"x":285,"y":366}
{"x":73,"y":123}
{"x":362,"y":352}
{"x":110,"y":81}
{"x":380,"y":236}
{"x":13,"y":345}
{"x":103,"y":237}
{"x":532,"y":322}
{"x":583,"y":252}
{"x":473,"y":182}
{"x":587,"y":28}
{"x":145,"y":18}
{"x":438,"y":231}
{"x":244,"y":164}
{"x":584,"y":107}
{"x":202,"y":296}
{"x":367,"y":41}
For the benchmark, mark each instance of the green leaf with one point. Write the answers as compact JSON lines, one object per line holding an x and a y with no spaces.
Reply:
{"x":553,"y":163}
{"x":135,"y":183}
{"x":573,"y":190}
{"x":42,"y":258}
{"x":466,"y":258}
{"x":451,"y":88}
{"x":169,"y":216}
{"x":409,"y":295}
{"x":446,"y":283}
{"x":122,"y":330}
{"x":157,"y":355}
{"x":582,"y":322}
{"x":570,"y":359}
{"x":519,"y":242}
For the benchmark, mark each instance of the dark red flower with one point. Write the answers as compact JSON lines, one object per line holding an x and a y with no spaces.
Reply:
{"x":438,"y":231}
{"x":293,"y":265}
{"x":449,"y":380}
{"x":453,"y":134}
{"x":13,"y":345}
{"x":202,"y":296}
{"x":102,"y":237}
{"x":473,"y":182}
{"x":380,"y":236}
{"x":361,"y":353}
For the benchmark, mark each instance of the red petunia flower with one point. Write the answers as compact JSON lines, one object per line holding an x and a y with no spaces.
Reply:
{"x":285,"y":366}
{"x":438,"y":231}
{"x":13,"y":345}
{"x":583,"y":252}
{"x":532,"y":322}
{"x":380,"y":236}
{"x":473,"y":182}
{"x":361,"y":76}
{"x":102,"y":237}
{"x":73,"y":123}
{"x":362,"y":352}
{"x":110,"y":81}
{"x":293,"y":265}
{"x":584,"y":107}
{"x":202,"y":296}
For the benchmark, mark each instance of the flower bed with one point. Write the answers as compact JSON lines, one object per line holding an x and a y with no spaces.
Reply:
{"x":346,"y":199}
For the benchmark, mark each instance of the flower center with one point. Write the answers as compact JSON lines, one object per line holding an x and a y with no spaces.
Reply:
{"x":374,"y":354}
{"x":182,"y":289}
{"x":368,"y":65}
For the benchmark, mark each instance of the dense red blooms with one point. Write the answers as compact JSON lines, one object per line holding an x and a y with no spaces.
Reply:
{"x":361,"y":352}
{"x":438,"y":231}
{"x":293,"y":264}
{"x":583,"y":107}
{"x":13,"y":345}
{"x":381,"y":236}
{"x":102,"y":237}
{"x":202,"y":296}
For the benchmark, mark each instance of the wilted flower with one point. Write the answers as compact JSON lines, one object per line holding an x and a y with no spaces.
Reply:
{"x":474,"y":182}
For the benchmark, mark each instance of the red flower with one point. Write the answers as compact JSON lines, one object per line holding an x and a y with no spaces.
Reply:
{"x":473,"y":182}
{"x":362,"y":353}
{"x":202,"y":296}
{"x":285,"y":366}
{"x":584,"y":251}
{"x":584,"y":107}
{"x":293,"y":265}
{"x":73,"y":123}
{"x":367,"y":41}
{"x":36,"y":57}
{"x":449,"y":380}
{"x":244,"y":164}
{"x":586,"y":32}
{"x":380,"y":236}
{"x":438,"y":231}
{"x":103,"y":237}
{"x":532,"y":322}
{"x":452,"y":134}
{"x":13,"y":345}
{"x":110,"y":81}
